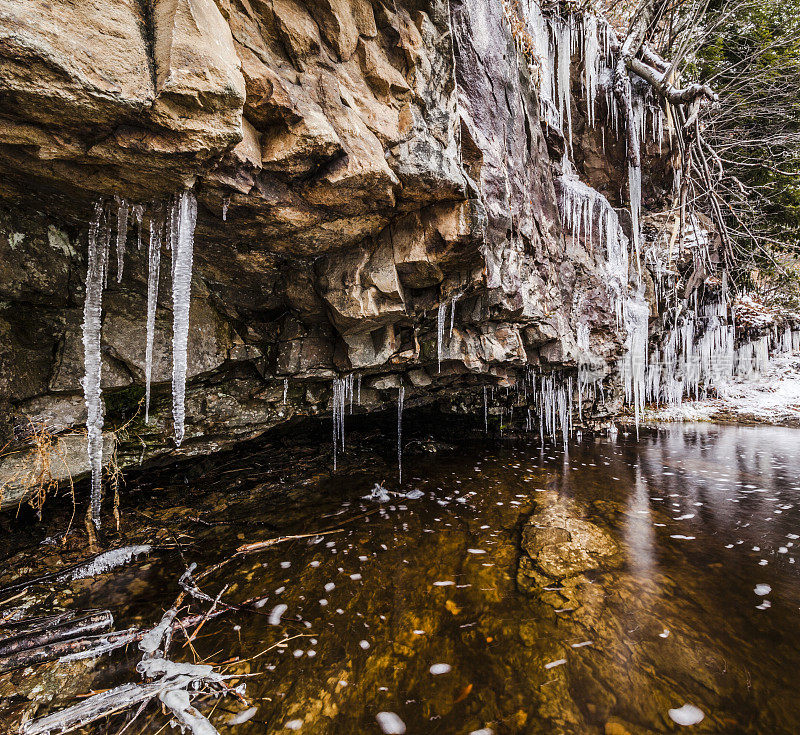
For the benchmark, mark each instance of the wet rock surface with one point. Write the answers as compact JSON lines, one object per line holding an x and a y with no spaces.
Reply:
{"x":351,"y":178}
{"x":558,"y":544}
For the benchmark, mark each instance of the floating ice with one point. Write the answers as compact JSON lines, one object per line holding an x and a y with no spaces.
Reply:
{"x":553,"y":664}
{"x":276,"y":613}
{"x":378,"y":494}
{"x":390,"y":723}
{"x":762,"y":589}
{"x":241,"y":717}
{"x":109,"y":560}
{"x":687,"y":715}
{"x":437,"y":669}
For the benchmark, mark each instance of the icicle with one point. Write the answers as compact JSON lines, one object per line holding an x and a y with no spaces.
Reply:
{"x":122,"y":235}
{"x":105,"y":245}
{"x":182,"y":256}
{"x":138,"y":213}
{"x":92,"y":320}
{"x":635,"y":189}
{"x":591,"y":63}
{"x":401,"y":394}
{"x":540,"y":32}
{"x":485,"y":412}
{"x":633,"y":367}
{"x":440,"y":320}
{"x":285,"y":389}
{"x":153,"y":270}
{"x":564,"y":46}
{"x":453,"y":312}
{"x":359,"y":389}
{"x":349,"y":389}
{"x":225,"y":204}
{"x":339,"y":400}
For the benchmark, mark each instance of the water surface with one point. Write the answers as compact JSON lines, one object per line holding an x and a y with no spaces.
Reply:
{"x":413,"y":606}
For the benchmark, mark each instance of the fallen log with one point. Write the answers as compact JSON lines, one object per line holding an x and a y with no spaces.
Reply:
{"x":59,"y":631}
{"x":97,"y":564}
{"x":94,"y":707}
{"x":69,"y":650}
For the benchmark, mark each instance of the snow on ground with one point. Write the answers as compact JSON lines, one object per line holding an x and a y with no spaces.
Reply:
{"x":771,"y":398}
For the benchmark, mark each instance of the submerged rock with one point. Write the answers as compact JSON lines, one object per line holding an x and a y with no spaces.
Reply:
{"x":558,"y":544}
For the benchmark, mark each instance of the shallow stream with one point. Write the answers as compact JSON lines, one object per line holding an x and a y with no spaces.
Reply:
{"x":413,"y":606}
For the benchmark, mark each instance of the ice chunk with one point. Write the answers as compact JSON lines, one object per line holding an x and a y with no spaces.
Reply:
{"x":686,"y":715}
{"x":390,"y":723}
{"x":276,"y":613}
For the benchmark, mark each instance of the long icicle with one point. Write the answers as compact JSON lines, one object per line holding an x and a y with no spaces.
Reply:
{"x":122,"y":236}
{"x":92,"y":359}
{"x":154,"y":265}
{"x":401,"y":394}
{"x":182,"y":256}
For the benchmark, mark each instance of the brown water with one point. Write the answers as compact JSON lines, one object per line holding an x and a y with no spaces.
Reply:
{"x":701,"y":515}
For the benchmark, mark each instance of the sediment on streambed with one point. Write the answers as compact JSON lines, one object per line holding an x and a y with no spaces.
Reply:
{"x":544,"y":570}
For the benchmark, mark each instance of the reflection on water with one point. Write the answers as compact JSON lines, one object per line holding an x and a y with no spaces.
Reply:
{"x":413,"y":609}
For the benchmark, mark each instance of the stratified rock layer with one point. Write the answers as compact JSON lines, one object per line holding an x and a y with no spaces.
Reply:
{"x":356,"y":165}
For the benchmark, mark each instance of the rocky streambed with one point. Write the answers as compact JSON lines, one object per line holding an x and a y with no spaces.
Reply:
{"x":612,"y":586}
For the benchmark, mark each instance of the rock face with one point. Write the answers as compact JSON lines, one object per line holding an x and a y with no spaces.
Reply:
{"x":356,"y":163}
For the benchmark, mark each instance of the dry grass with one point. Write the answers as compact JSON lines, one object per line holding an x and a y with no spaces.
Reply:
{"x":39,"y":477}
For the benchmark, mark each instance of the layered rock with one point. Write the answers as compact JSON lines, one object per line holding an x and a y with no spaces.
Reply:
{"x":356,"y":165}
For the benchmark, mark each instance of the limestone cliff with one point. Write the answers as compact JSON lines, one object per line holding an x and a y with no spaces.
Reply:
{"x":360,"y":167}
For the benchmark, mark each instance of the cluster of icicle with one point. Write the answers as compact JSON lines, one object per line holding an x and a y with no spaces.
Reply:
{"x":441,"y":321}
{"x":587,"y":214}
{"x":347,"y":389}
{"x":699,"y":353}
{"x":343,"y":392}
{"x":556,"y":40}
{"x":552,"y":403}
{"x":172,"y":225}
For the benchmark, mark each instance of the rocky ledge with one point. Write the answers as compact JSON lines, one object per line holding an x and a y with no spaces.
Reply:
{"x":376,"y":196}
